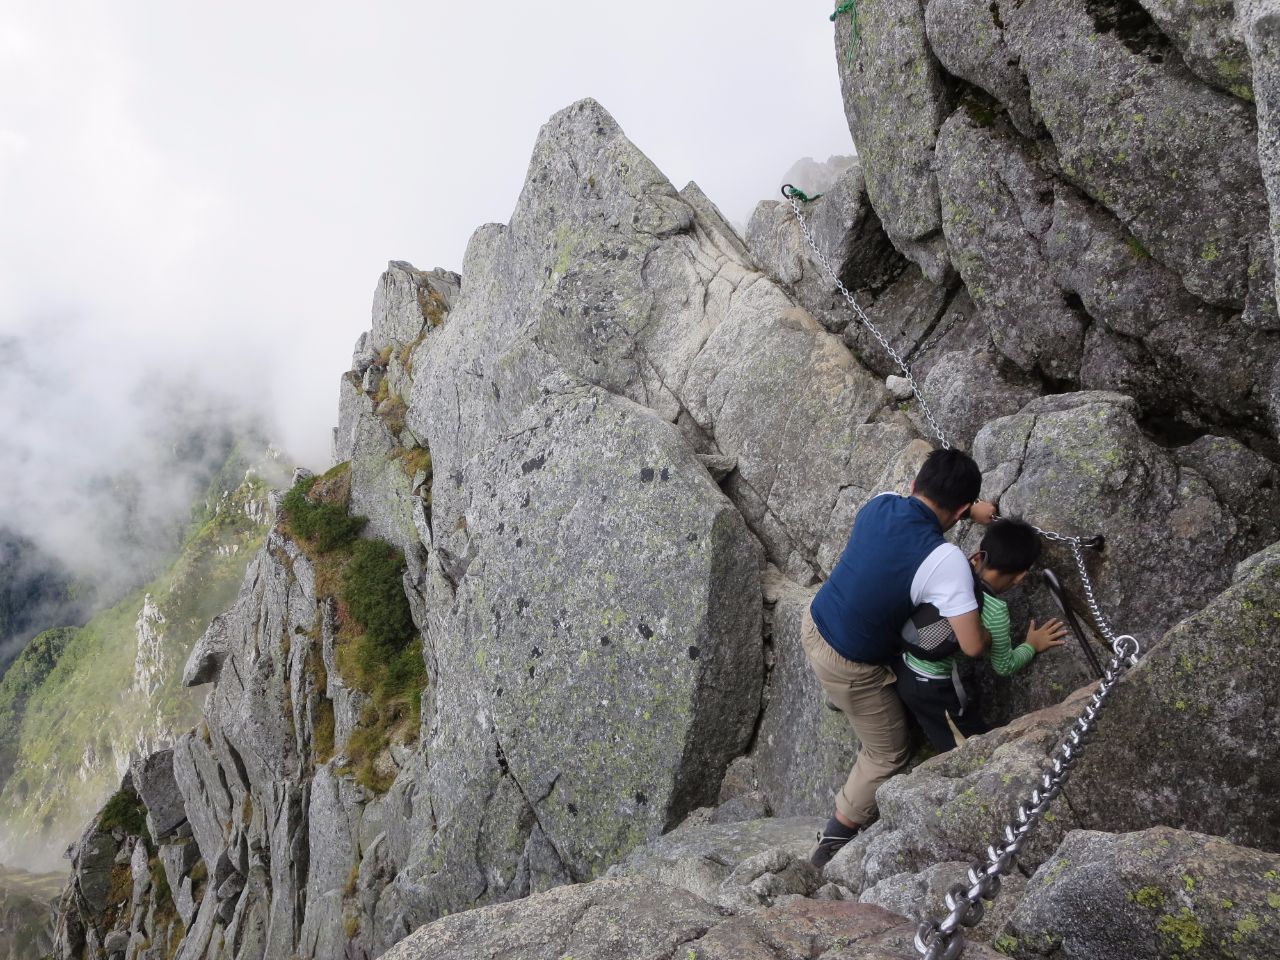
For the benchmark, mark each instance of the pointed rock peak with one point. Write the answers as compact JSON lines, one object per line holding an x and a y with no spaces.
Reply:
{"x":585,"y":170}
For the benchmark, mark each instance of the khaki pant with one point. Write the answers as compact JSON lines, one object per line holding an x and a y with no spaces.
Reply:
{"x":865,"y":694}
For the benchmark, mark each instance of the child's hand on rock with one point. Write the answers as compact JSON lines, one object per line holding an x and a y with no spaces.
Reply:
{"x":1049,"y":635}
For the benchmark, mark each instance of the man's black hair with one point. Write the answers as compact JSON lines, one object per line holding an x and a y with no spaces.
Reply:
{"x":949,"y":478}
{"x":1011,"y":546}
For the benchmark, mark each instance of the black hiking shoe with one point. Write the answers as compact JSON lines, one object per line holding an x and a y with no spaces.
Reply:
{"x":831,"y":840}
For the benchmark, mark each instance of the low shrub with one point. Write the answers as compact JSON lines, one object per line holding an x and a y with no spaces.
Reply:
{"x":324,"y":526}
{"x":125,"y":811}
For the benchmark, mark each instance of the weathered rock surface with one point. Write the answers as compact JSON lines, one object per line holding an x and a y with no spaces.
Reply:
{"x":1260,"y":22}
{"x":896,"y":96}
{"x":390,"y":467}
{"x":921,"y":896}
{"x":153,"y":779}
{"x":617,"y":714}
{"x":1209,"y":38}
{"x":1053,"y":151}
{"x":1079,"y":463}
{"x":621,"y":919}
{"x":1190,"y":740}
{"x":845,"y":227}
{"x":1043,"y":263}
{"x":1154,"y":894}
{"x":699,"y":857}
{"x":803,"y":750}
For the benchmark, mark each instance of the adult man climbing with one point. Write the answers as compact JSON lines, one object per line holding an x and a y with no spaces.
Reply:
{"x":896,"y":559}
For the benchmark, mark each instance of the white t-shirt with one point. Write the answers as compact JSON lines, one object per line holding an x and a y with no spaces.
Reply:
{"x":945,"y":579}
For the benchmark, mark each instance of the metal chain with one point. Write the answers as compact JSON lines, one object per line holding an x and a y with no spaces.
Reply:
{"x":944,"y":940}
{"x":796,"y":197}
{"x":790,"y":193}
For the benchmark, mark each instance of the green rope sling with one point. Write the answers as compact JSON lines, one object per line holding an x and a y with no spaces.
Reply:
{"x":850,"y":7}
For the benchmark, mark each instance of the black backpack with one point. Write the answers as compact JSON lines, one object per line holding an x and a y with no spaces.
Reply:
{"x":927,"y":635}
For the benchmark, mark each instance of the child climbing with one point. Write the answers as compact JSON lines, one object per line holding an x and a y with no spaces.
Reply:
{"x":928,"y":681}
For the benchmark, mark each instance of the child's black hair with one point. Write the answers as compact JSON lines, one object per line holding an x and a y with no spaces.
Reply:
{"x":949,"y":478}
{"x":1011,"y":546}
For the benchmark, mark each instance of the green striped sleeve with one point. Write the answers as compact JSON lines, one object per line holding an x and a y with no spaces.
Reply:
{"x":1005,"y":659}
{"x":932,"y":668}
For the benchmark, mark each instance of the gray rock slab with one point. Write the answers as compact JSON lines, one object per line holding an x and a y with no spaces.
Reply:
{"x":624,"y":918}
{"x":605,"y":920}
{"x":768,"y":878}
{"x":153,"y":779}
{"x":620,"y":680}
{"x":845,"y":229}
{"x":1129,"y":124}
{"x":1209,"y":36}
{"x":895,"y":99}
{"x":1191,"y":741}
{"x":803,"y":751}
{"x":699,"y":856}
{"x":1157,"y":893}
{"x":1261,"y":26}
{"x":407,"y":300}
{"x":992,"y":213}
{"x":966,"y":390}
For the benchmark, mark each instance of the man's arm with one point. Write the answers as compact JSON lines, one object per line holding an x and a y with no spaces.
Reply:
{"x":969,"y":633}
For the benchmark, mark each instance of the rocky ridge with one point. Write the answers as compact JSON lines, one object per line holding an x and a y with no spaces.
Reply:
{"x":619,"y":451}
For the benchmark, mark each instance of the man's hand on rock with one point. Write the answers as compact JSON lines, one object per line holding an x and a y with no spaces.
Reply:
{"x":982,"y":512}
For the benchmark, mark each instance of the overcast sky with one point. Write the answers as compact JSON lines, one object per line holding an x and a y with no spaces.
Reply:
{"x":210,"y":190}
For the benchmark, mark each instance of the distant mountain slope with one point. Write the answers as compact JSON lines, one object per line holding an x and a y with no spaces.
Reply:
{"x":35,"y":592}
{"x":79,"y":702}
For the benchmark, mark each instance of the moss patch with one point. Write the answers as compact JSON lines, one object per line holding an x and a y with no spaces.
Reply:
{"x":321,"y":524}
{"x":124,"y":810}
{"x":379,"y":655}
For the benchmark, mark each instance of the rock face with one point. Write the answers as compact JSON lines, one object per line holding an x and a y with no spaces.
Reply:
{"x":607,"y":275}
{"x":1158,"y":893}
{"x":1175,"y":525}
{"x":620,"y":919}
{"x":1052,"y":153}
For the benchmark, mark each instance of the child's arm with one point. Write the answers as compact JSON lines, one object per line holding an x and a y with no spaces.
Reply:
{"x":1004,"y":659}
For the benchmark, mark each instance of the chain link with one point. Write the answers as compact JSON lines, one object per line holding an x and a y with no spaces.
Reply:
{"x":790,"y":194}
{"x":795,"y":198}
{"x":944,"y":939}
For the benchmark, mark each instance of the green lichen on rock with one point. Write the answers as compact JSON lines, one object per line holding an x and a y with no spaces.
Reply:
{"x":1198,"y":896}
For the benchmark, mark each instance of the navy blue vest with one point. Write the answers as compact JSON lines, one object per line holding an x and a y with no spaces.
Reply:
{"x":860,"y":610}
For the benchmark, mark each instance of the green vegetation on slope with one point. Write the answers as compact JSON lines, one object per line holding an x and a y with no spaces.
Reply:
{"x":377,"y":648}
{"x":24,"y":676}
{"x":77,"y":704}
